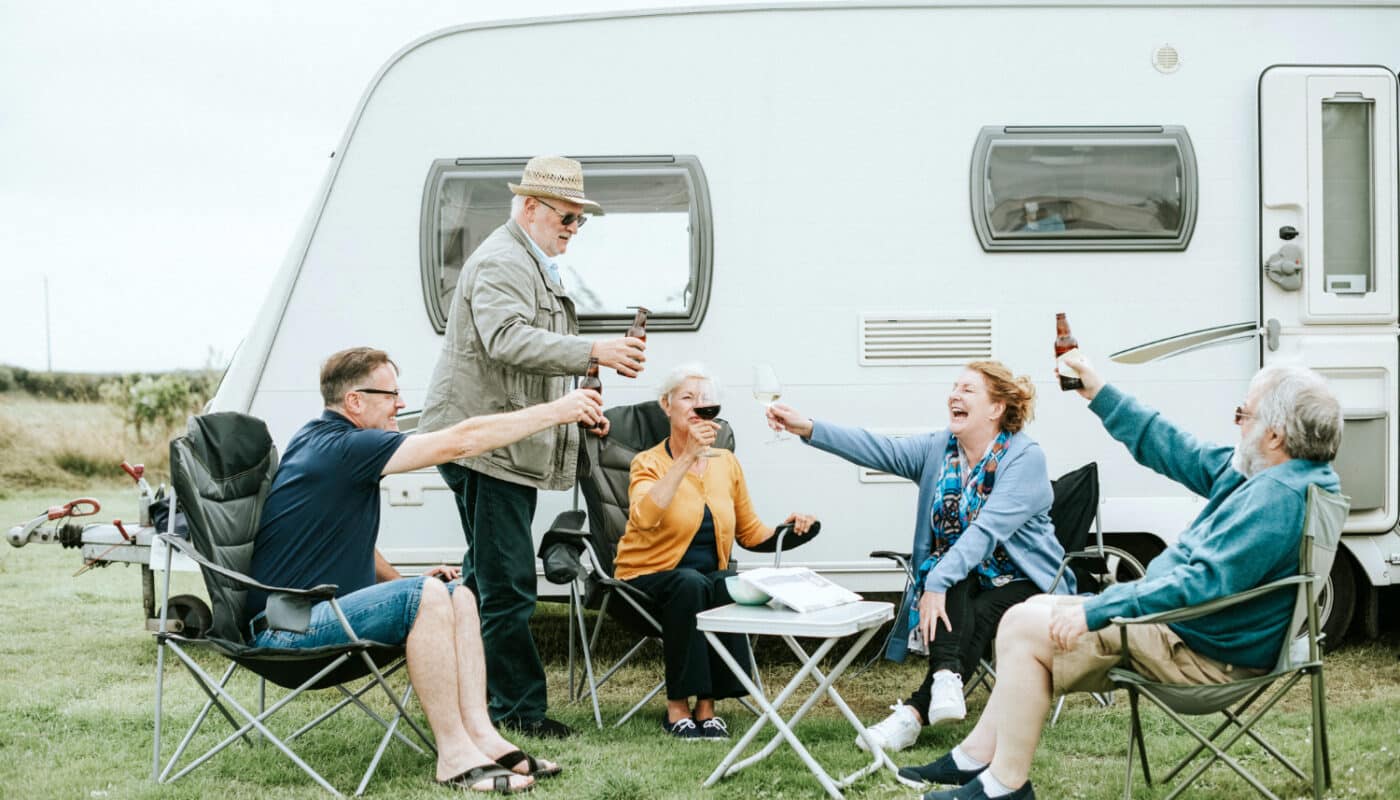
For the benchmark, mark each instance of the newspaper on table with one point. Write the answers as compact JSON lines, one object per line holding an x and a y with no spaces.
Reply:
{"x":798,"y":588}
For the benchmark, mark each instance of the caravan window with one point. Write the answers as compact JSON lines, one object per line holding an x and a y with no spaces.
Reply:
{"x":1108,"y":188}
{"x":652,"y":247}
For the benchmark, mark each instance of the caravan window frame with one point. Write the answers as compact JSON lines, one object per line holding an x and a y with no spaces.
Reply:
{"x":701,"y":235}
{"x":1059,"y":239}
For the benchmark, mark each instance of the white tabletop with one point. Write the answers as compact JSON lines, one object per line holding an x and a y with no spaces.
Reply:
{"x":841,"y":620}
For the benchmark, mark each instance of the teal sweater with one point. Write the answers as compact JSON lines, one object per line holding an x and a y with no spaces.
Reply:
{"x":1247,"y":535}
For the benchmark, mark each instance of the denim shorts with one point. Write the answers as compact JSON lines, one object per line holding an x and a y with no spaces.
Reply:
{"x":381,"y":613}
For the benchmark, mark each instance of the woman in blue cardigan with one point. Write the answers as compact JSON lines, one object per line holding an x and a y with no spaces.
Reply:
{"x":983,"y":540}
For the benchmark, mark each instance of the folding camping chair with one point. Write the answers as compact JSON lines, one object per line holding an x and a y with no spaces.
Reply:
{"x":1298,"y":657}
{"x":584,"y":559}
{"x":221,"y":470}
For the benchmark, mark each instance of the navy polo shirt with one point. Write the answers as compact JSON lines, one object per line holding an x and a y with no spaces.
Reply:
{"x":321,"y":517}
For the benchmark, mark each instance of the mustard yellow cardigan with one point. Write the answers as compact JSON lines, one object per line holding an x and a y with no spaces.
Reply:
{"x":657,"y":537}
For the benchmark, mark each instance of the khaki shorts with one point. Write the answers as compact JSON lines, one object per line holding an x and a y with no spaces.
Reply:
{"x":1156,"y":652}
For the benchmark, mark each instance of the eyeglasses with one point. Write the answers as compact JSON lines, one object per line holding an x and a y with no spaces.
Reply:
{"x":566,"y":219}
{"x":394,"y":393}
{"x":1241,"y":415}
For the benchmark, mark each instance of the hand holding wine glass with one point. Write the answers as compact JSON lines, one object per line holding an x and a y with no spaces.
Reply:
{"x":707,"y":409}
{"x":766,"y":390}
{"x":786,"y":418}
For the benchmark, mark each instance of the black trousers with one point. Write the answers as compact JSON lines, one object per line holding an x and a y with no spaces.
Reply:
{"x":499,"y":568}
{"x":975,"y":613}
{"x":693,"y":669}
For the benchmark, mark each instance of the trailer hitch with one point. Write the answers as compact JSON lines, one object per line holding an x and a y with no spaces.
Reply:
{"x":20,"y":535}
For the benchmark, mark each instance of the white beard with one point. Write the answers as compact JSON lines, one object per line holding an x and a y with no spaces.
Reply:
{"x":1249,"y":457}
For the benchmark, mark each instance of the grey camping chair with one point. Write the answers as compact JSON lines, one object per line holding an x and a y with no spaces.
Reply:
{"x":221,"y":470}
{"x":1299,"y":657}
{"x":583,"y":558}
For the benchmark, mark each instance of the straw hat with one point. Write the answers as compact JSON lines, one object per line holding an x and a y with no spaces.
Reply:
{"x":555,"y":177}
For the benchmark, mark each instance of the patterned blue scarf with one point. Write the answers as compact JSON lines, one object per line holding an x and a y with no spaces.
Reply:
{"x":956,"y":507}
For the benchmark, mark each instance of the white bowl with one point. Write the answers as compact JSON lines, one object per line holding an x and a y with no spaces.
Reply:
{"x":744,"y":594}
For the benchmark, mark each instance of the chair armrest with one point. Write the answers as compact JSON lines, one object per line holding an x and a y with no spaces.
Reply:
{"x":1212,"y":606}
{"x":324,"y":591}
{"x":570,"y":521}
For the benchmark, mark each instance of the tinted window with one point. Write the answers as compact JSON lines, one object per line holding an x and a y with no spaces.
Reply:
{"x":651,"y":248}
{"x":1083,"y":188}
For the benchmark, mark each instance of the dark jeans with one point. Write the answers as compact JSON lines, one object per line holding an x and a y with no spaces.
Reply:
{"x":692,"y":668}
{"x":975,"y":613}
{"x":499,"y":568}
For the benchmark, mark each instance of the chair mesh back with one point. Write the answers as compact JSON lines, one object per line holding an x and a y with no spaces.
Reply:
{"x":605,"y":469}
{"x":1075,"y":504}
{"x":1322,"y":532}
{"x":222,"y":469}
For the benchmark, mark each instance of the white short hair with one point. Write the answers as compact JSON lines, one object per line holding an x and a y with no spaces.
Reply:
{"x":679,"y":375}
{"x":1297,"y":403}
{"x":517,"y":202}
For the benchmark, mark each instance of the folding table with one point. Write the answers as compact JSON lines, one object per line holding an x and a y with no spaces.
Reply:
{"x":830,"y":625}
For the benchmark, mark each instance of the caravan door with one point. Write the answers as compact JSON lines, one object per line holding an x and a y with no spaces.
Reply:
{"x":1328,"y":256}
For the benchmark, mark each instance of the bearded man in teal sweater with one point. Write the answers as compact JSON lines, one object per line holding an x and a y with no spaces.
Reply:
{"x":1248,"y":534}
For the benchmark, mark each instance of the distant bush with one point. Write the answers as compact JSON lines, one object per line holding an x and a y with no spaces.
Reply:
{"x":72,"y":386}
{"x":7,"y":379}
{"x":153,"y":402}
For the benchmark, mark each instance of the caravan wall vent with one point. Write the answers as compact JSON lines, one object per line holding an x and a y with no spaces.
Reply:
{"x":920,"y":339}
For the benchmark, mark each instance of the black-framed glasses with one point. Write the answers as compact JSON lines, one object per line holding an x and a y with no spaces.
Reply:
{"x":393,"y":392}
{"x":1241,"y":415}
{"x":566,"y":219}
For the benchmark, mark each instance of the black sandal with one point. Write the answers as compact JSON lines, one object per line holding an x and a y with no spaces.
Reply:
{"x":514,"y":757}
{"x":500,"y":783}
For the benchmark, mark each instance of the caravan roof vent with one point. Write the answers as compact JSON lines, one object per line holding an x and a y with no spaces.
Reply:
{"x":1166,"y":59}
{"x":919,"y":339}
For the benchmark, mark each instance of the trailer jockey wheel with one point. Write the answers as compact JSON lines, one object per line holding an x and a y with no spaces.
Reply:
{"x":193,"y":613}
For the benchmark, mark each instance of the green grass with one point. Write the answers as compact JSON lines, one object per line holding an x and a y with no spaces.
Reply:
{"x":76,"y":702}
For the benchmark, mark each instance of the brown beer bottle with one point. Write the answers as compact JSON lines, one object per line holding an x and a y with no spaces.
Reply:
{"x":639,"y":324}
{"x":592,"y":381}
{"x":1065,"y":343}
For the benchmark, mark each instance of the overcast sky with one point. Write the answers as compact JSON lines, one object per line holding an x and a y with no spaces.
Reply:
{"x":157,"y":157}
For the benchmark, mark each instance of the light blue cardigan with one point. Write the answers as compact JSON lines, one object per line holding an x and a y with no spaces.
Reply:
{"x":1016,"y":514}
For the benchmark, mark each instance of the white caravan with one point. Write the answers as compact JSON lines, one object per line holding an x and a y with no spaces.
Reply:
{"x":867,"y":196}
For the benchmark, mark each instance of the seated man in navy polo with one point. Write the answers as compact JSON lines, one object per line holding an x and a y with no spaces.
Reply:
{"x":319,"y":526}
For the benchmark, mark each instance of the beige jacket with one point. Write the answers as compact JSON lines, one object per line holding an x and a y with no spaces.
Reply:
{"x":510,"y":343}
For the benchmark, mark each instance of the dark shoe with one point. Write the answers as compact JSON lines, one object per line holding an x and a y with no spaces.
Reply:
{"x":684,"y":729}
{"x":536,"y":770}
{"x":944,"y":771}
{"x":714,"y":728}
{"x":542,"y":728}
{"x":973,"y":791}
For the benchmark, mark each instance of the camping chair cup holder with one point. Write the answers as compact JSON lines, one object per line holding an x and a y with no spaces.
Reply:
{"x":581,"y":557}
{"x":221,"y":471}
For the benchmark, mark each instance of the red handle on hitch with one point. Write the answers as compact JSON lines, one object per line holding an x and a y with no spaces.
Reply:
{"x":135,"y":471}
{"x":82,"y":507}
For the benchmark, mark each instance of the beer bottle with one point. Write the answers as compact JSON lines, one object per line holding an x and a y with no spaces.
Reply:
{"x":592,"y":381}
{"x":1065,"y":343}
{"x":639,"y":324}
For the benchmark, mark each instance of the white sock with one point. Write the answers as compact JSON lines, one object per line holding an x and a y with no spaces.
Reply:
{"x":992,"y":787}
{"x":965,"y":761}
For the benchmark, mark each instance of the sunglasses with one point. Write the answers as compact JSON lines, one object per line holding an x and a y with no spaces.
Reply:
{"x":1241,"y":415}
{"x":394,"y":393}
{"x":566,"y":219}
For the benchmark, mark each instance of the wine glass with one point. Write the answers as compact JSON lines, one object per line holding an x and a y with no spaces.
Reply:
{"x":766,"y":390}
{"x":707,"y":408}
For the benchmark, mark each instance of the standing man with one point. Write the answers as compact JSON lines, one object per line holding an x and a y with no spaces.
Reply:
{"x":511,"y":342}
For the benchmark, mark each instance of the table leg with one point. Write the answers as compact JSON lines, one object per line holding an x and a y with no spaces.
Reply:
{"x":770,"y":712}
{"x":881,"y":758}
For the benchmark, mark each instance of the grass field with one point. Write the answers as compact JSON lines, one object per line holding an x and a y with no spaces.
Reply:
{"x":76,"y":702}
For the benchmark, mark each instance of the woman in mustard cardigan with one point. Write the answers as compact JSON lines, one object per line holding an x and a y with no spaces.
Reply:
{"x":686,"y":512}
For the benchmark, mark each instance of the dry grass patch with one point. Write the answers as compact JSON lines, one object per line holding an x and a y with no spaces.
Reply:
{"x":49,"y":444}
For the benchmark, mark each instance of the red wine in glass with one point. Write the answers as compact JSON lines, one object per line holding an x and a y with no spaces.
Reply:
{"x":707,"y":412}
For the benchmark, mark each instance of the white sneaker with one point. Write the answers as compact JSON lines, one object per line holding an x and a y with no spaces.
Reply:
{"x":895,"y":732}
{"x":947,"y":701}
